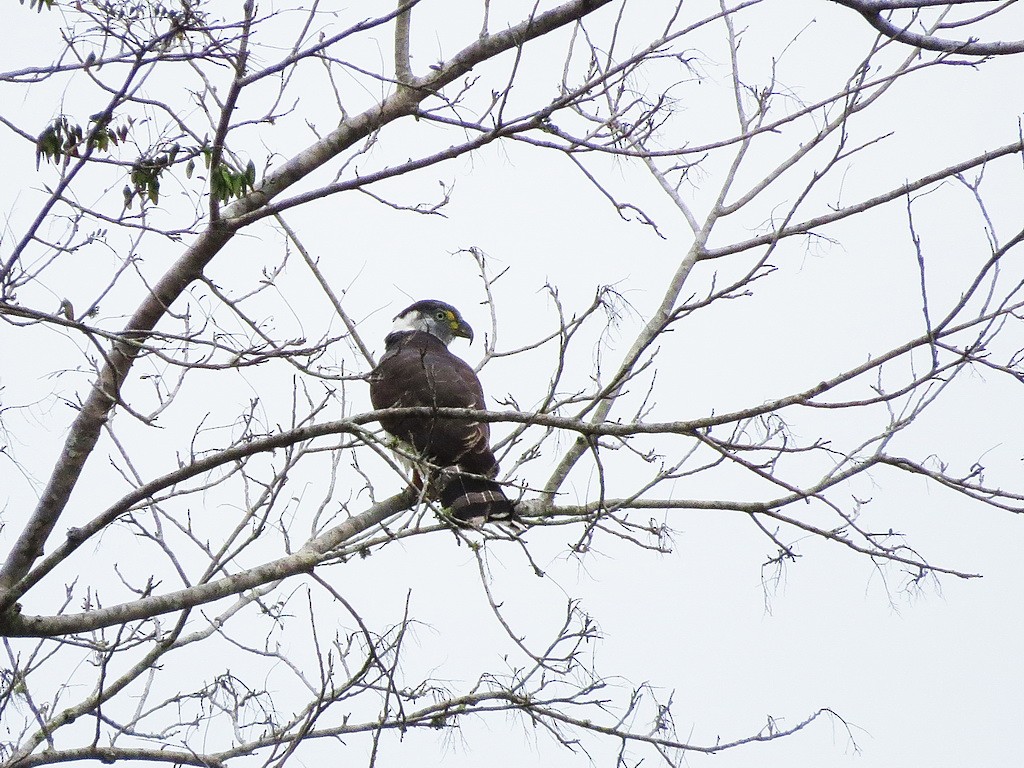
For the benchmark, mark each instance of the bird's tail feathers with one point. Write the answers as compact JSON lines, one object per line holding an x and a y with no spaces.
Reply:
{"x":474,"y":499}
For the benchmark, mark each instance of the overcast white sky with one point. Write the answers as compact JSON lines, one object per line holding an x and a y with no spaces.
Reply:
{"x":931,"y":676}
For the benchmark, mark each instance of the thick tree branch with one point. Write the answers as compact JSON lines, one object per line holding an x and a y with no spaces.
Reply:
{"x":314,"y":552}
{"x":873,"y":10}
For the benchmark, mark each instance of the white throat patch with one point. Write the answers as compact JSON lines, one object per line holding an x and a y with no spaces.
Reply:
{"x":409,"y":322}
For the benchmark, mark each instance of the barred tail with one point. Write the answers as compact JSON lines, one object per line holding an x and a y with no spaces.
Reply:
{"x":475,"y":500}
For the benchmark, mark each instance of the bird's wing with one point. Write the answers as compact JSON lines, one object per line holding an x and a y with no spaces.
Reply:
{"x":421,"y":371}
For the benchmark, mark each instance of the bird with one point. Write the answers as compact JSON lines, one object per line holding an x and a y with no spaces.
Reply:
{"x":453,"y":457}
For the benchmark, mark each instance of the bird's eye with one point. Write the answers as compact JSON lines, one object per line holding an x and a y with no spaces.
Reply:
{"x":440,"y":315}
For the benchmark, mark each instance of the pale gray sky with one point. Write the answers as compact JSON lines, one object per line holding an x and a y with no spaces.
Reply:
{"x":928,"y":675}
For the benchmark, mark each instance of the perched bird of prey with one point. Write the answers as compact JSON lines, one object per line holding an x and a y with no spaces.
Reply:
{"x":418,"y":370}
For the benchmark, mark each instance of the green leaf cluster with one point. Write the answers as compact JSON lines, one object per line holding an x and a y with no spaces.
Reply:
{"x":119,"y":9}
{"x":145,"y":176}
{"x":62,"y":139}
{"x":227,"y":182}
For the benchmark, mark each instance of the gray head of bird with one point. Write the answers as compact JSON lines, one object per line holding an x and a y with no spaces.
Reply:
{"x":434,"y":317}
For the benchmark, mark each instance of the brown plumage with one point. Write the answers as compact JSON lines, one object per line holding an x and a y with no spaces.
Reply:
{"x":418,"y":370}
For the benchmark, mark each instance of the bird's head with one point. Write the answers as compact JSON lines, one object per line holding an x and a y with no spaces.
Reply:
{"x":435,"y":317}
